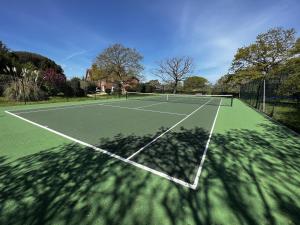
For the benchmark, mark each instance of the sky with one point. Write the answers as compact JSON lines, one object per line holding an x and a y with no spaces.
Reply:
{"x":73,"y":33}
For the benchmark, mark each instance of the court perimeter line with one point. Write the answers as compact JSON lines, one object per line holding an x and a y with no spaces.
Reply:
{"x":150,"y":105}
{"x":52,"y":108}
{"x":162,"y":134}
{"x":45,"y":110}
{"x":146,"y":110}
{"x":161,"y":174}
{"x":195,"y":184}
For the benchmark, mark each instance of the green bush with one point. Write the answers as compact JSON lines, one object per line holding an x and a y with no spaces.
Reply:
{"x":72,"y":88}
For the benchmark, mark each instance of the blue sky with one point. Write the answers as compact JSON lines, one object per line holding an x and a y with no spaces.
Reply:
{"x":73,"y":32}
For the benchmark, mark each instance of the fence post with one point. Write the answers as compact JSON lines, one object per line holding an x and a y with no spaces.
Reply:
{"x":264,"y":96}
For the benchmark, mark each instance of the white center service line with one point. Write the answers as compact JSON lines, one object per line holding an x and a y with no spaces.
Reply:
{"x":162,"y":134}
{"x":195,"y":184}
{"x":150,"y":105}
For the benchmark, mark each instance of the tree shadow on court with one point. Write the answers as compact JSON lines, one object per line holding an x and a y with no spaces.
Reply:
{"x":177,"y":154}
{"x":249,"y":177}
{"x":257,"y":170}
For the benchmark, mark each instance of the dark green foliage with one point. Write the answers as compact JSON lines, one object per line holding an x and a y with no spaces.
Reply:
{"x":148,"y":87}
{"x":3,"y":47}
{"x":41,"y":62}
{"x":269,"y":50}
{"x":140,"y":88}
{"x":68,"y":90}
{"x":196,"y":84}
{"x":49,"y":76}
{"x":75,"y":85}
{"x":273,"y":54}
{"x":5,"y":57}
{"x":4,"y":82}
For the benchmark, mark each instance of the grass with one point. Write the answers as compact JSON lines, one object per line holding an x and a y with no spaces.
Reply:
{"x":250,"y":176}
{"x":288,"y":114}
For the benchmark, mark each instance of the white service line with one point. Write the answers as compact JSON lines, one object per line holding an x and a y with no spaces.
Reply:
{"x":146,"y":110}
{"x":162,"y":134}
{"x":195,"y":184}
{"x":161,"y":174}
{"x":150,"y":105}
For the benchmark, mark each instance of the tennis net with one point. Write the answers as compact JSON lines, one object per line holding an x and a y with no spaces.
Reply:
{"x":223,"y":100}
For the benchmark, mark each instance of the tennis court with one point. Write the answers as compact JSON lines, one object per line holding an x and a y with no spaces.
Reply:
{"x":158,"y":118}
{"x":141,"y":161}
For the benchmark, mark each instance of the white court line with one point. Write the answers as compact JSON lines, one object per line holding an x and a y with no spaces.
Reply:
{"x":195,"y":184}
{"x":59,"y":108}
{"x":150,"y":105}
{"x":52,"y":109}
{"x":146,"y":110}
{"x":93,"y":104}
{"x":162,"y":134}
{"x":161,"y":174}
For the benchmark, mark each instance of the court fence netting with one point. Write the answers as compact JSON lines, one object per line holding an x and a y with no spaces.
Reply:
{"x":222,"y":100}
{"x":273,"y":97}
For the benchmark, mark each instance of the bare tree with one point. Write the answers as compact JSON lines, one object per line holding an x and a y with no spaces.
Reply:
{"x":174,"y":70}
{"x":120,"y":62}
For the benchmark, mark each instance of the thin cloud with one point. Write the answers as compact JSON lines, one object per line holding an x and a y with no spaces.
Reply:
{"x":75,"y":54}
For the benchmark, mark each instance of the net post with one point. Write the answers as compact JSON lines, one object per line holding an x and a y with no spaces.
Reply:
{"x":231,"y":103}
{"x":126,"y":95}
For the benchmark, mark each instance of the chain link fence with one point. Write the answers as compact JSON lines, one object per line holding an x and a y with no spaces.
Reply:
{"x":269,"y":97}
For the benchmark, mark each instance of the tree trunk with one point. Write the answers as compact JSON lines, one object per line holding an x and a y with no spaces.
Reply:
{"x":175,"y":87}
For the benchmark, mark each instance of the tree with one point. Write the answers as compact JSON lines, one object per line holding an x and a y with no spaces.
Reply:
{"x":5,"y":59}
{"x":174,"y":70}
{"x":196,"y":83}
{"x":97,"y":73}
{"x":296,"y":49}
{"x":3,"y":48}
{"x":223,"y":85}
{"x":53,"y":81}
{"x":87,"y":86}
{"x":291,"y":77}
{"x":40,"y":62}
{"x":120,"y":62}
{"x":152,"y":86}
{"x":270,"y":49}
{"x":75,"y":85}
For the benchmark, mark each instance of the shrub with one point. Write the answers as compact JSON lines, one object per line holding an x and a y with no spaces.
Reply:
{"x":53,"y":81}
{"x":87,"y":86}
{"x":75,"y":85}
{"x":68,"y":90}
{"x":26,"y":90}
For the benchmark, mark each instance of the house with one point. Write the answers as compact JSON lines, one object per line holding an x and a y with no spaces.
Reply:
{"x":110,"y":84}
